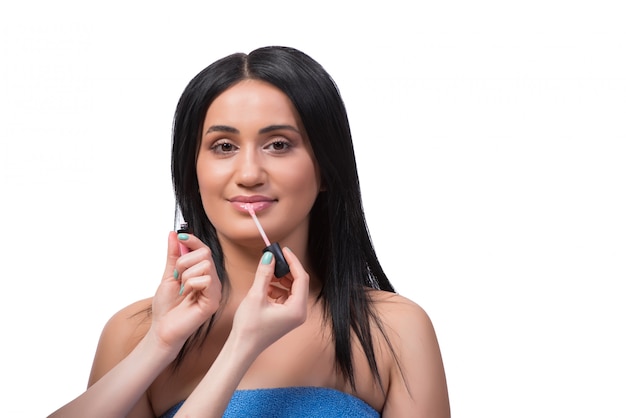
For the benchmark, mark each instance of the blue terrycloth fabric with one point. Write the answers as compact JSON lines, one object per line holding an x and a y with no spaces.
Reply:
{"x":292,"y":402}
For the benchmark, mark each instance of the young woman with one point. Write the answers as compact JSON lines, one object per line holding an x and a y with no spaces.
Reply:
{"x":223,"y":336}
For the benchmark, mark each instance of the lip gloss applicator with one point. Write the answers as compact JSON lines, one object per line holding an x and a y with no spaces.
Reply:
{"x":181,"y":227}
{"x":281,"y":267}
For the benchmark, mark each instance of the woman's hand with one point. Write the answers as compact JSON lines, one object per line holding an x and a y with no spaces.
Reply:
{"x":175,"y":315}
{"x":272,"y":307}
{"x":189,"y":293}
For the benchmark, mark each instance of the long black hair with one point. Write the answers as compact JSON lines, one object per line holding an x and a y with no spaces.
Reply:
{"x":339,"y":247}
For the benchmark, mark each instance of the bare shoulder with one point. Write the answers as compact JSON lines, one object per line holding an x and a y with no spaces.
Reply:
{"x":120,"y":335}
{"x":417,"y":376}
{"x":129,"y":322}
{"x":400,"y":313}
{"x":404,"y":321}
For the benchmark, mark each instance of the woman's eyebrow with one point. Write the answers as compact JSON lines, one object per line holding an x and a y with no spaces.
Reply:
{"x":222,"y":128}
{"x":270,"y":128}
{"x":277,"y":128}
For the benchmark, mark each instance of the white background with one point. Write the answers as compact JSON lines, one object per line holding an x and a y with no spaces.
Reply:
{"x":490,"y":137}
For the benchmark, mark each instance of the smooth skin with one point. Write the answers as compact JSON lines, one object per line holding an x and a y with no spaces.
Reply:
{"x":264,"y":336}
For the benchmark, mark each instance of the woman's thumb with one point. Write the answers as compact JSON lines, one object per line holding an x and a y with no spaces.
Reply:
{"x":173,"y":252}
{"x":264,"y":273}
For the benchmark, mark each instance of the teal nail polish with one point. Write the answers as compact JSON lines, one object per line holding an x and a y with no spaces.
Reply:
{"x":183,"y":237}
{"x":182,"y":289}
{"x":175,"y":274}
{"x":267,"y":257}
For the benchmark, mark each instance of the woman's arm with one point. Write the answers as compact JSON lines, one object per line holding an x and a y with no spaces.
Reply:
{"x":121,"y":373}
{"x":264,"y":315}
{"x":115,"y":394}
{"x":418,"y":385}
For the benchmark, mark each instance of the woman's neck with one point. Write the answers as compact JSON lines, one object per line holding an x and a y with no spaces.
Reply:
{"x":241,"y":263}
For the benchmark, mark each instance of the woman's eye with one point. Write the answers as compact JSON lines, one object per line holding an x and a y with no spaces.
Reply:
{"x":223,"y":148}
{"x":279,"y":146}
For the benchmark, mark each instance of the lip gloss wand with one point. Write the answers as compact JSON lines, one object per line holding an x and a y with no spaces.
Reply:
{"x":281,"y":267}
{"x":181,"y":227}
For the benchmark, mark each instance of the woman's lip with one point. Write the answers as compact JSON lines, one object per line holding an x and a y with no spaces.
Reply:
{"x":257,"y":206}
{"x":250,"y":199}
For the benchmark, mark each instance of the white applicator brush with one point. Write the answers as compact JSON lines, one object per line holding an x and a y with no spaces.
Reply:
{"x":281,"y":267}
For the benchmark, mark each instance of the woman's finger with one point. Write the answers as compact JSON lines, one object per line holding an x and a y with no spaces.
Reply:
{"x":201,"y":268}
{"x":173,"y":254}
{"x":276,"y":293}
{"x":195,"y":263}
{"x":173,"y":265}
{"x":300,"y":279}
{"x":264,"y":274}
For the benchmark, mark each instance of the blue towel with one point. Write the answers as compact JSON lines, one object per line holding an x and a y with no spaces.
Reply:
{"x":292,"y":402}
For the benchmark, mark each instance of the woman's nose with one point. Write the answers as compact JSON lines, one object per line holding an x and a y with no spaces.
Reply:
{"x":249,"y":169}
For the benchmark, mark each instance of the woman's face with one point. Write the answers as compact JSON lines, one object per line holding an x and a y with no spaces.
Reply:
{"x":254,"y":150}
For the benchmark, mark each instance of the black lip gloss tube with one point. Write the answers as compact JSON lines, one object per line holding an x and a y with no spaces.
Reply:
{"x":281,"y":268}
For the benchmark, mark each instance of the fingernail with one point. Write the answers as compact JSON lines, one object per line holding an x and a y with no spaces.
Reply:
{"x":182,"y":289}
{"x":175,"y":274}
{"x":183,"y":237}
{"x":267,"y":257}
